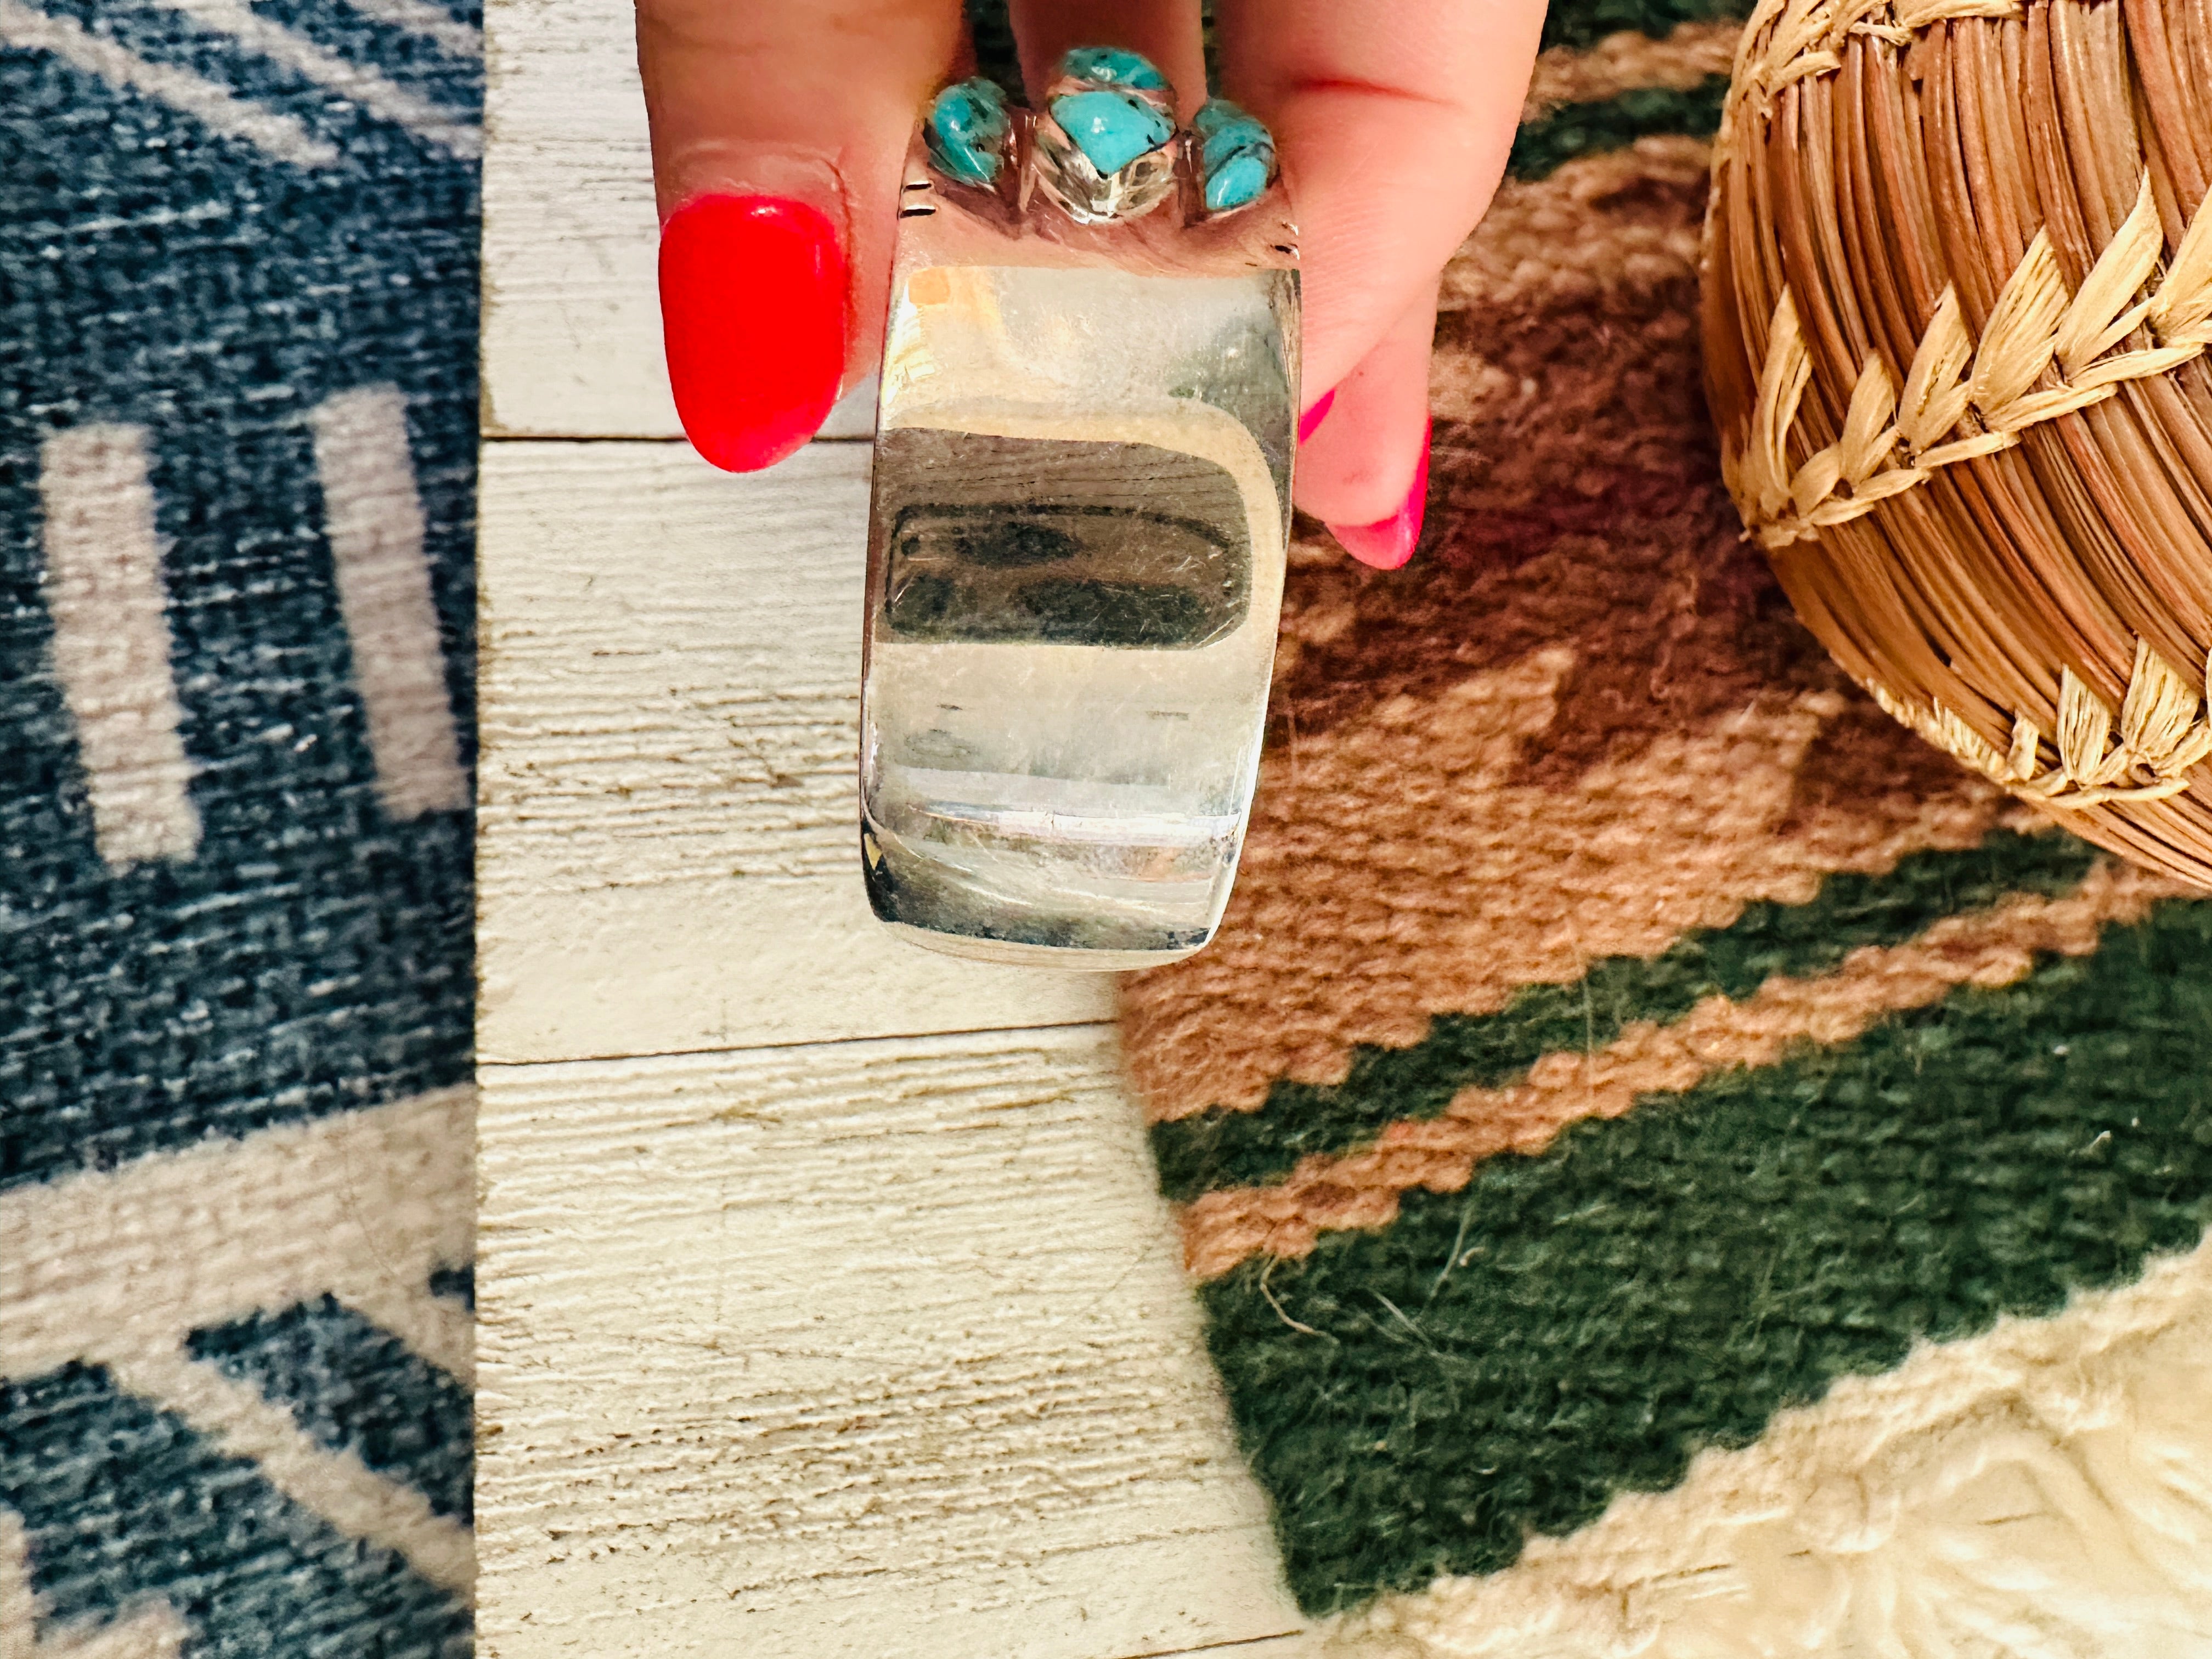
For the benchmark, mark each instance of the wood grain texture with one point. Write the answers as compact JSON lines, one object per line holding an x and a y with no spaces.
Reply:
{"x":871,"y":1347}
{"x":667,"y":851}
{"x":572,"y":315}
{"x":572,"y":327}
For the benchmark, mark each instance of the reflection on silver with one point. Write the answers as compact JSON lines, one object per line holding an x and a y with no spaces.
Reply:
{"x":1082,"y":501}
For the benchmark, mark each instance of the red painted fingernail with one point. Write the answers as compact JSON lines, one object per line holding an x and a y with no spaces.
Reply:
{"x":752,"y":311}
{"x":1389,"y":542}
{"x":1314,"y":417}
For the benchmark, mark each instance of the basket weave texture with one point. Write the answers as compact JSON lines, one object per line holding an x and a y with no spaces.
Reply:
{"x":1958,"y":300}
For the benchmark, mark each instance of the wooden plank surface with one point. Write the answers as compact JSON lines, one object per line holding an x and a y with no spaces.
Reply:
{"x":804,"y":1331}
{"x":571,"y":323}
{"x":572,"y":317}
{"x":668,"y":856}
{"x":871,"y":1347}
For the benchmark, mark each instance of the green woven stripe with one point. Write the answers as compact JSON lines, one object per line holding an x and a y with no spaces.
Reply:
{"x":1580,"y":1322}
{"x":1585,"y":22}
{"x":1543,"y":145}
{"x":1242,"y":1149}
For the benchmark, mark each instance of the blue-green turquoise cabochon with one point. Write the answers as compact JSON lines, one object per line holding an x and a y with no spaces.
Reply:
{"x":1239,"y":181}
{"x":1112,"y":66}
{"x":1112,"y":129}
{"x":1237,"y":157}
{"x":967,"y":130}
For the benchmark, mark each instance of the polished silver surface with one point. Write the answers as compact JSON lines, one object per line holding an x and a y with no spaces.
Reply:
{"x":1076,"y":551}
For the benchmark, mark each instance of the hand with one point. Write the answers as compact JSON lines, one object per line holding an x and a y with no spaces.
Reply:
{"x":780,"y":129}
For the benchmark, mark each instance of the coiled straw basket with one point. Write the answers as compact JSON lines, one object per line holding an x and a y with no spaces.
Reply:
{"x":1957,"y":299}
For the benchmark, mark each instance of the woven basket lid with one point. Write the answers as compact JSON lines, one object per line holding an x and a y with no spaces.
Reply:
{"x":1957,"y":297}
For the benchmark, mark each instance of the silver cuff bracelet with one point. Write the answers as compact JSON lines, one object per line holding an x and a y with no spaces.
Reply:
{"x":1088,"y":413}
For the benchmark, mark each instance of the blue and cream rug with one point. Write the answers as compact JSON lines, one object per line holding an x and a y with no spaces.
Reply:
{"x":238,"y":400}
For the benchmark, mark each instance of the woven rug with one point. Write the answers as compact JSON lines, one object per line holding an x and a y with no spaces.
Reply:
{"x":1674,"y":1166}
{"x":238,"y":295}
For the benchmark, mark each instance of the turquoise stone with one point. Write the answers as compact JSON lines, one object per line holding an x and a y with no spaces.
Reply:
{"x":1216,"y":113}
{"x":1226,"y":130}
{"x":967,"y":130}
{"x":1112,"y":129}
{"x":1111,"y":66}
{"x":1237,"y":157}
{"x":1238,"y":181}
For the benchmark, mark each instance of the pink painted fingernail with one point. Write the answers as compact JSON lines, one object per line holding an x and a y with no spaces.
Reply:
{"x":1314,"y":417}
{"x":1389,"y":542}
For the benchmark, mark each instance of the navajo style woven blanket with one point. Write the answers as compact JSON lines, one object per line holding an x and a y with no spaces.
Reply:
{"x":238,"y":295}
{"x":1673,"y":1165}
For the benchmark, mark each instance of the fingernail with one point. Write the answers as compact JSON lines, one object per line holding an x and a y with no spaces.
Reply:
{"x":1314,"y":417}
{"x":753,"y":313}
{"x":1389,"y":542}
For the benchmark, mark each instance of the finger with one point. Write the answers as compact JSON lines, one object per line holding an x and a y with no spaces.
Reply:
{"x":1393,"y":119}
{"x":1165,"y":31}
{"x":779,"y":132}
{"x":1362,"y":472}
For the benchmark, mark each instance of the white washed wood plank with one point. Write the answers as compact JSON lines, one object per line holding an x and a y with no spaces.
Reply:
{"x":572,"y":317}
{"x":571,"y":326}
{"x":873,"y":1347}
{"x":667,"y":853}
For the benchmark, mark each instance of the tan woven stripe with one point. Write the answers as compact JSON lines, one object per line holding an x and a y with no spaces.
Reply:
{"x":1625,"y":221}
{"x":1624,"y":62}
{"x":1395,"y":872}
{"x":1581,"y":726}
{"x":1361,"y":1189}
